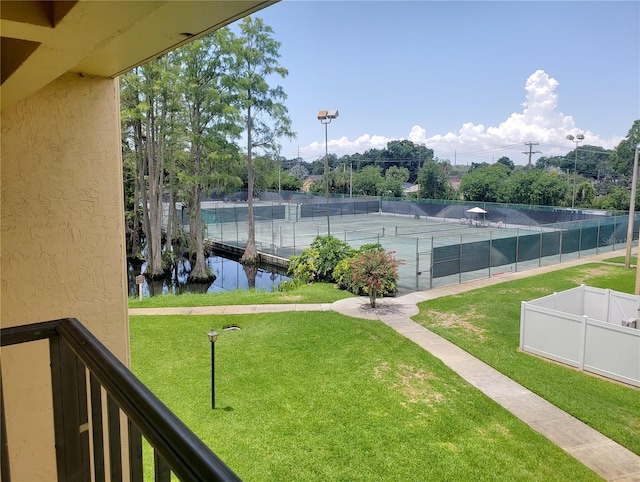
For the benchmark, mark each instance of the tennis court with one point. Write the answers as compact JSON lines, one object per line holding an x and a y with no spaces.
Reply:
{"x":452,"y":246}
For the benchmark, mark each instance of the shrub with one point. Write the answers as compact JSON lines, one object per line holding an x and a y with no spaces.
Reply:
{"x":330,"y":252}
{"x":303,"y":268}
{"x":318,"y":262}
{"x":343,"y":272}
{"x":342,"y":275}
{"x":376,"y":272}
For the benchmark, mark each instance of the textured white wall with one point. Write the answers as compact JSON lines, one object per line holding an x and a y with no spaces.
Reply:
{"x":63,"y":251}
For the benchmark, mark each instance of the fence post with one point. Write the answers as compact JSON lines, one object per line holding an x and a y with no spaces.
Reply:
{"x":460,"y":261}
{"x":517,"y":247}
{"x":540,"y":249}
{"x":431,"y":266}
{"x":560,"y":260}
{"x":522,"y":322}
{"x":583,"y":342}
{"x":580,"y":241}
{"x":490,"y":245}
{"x":417,"y":264}
{"x":294,"y":239}
{"x":273,"y":234}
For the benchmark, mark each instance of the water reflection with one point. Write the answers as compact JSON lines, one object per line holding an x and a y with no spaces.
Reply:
{"x":230,"y":275}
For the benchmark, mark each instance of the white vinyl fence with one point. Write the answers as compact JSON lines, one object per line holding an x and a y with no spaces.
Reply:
{"x":596,"y":330}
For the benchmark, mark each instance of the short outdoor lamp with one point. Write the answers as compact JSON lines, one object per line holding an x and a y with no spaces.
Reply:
{"x":213,"y":336}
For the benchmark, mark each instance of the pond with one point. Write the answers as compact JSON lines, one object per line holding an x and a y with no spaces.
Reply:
{"x":229,"y":273}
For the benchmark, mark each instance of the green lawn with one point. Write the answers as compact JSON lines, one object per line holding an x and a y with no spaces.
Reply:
{"x":486,"y":323}
{"x":313,"y":293}
{"x":622,"y":259}
{"x":319,"y":396}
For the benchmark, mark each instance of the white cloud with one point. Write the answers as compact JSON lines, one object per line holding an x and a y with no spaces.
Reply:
{"x":539,"y":122}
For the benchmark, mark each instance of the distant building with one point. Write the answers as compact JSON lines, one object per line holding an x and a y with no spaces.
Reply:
{"x":408,"y":188}
{"x":306,"y":184}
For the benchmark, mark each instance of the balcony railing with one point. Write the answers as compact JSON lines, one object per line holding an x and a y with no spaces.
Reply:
{"x":82,"y":371}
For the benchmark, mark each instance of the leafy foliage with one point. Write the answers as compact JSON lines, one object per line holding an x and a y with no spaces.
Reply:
{"x":303,"y":267}
{"x":533,"y":186}
{"x":375,"y":272}
{"x":318,"y":262}
{"x":623,"y":155}
{"x":434,"y":181}
{"x":485,"y":183}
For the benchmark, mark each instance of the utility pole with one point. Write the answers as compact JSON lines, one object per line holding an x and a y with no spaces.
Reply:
{"x":530,"y":151}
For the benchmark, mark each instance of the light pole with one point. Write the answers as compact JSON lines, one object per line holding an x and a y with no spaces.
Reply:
{"x":576,"y":139}
{"x":213,"y":336}
{"x":632,"y":209}
{"x":325,"y":117}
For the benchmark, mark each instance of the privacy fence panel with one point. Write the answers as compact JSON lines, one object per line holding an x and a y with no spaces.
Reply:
{"x":583,"y":327}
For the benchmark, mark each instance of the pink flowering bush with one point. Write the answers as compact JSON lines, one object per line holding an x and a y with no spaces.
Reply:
{"x":375,"y":272}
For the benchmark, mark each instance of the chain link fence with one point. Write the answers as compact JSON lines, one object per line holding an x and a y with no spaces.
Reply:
{"x":439,"y":242}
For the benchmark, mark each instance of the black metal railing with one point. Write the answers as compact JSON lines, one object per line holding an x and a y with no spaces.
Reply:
{"x":77,"y":357}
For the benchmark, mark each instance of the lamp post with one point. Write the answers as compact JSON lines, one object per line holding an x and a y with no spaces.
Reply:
{"x":325,"y":117}
{"x":213,"y":336}
{"x":632,"y":209}
{"x":576,"y":139}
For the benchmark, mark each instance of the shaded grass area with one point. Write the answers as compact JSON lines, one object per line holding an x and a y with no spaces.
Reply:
{"x":311,"y":293}
{"x":321,"y":396}
{"x":622,"y":259}
{"x":486,"y":323}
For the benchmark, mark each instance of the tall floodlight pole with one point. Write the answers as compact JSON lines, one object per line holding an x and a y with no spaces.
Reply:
{"x":576,"y":139}
{"x":632,"y":208}
{"x":326,"y":116}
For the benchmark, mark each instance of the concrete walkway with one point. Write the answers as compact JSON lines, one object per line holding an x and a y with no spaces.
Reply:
{"x":605,"y":457}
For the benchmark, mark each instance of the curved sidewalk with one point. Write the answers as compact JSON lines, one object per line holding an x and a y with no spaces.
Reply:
{"x":605,"y":457}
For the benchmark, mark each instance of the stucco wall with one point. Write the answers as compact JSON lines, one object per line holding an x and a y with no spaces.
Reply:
{"x":62,"y":244}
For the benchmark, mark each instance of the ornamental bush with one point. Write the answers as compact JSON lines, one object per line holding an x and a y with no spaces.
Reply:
{"x":318,"y":262}
{"x":343,"y":273}
{"x":303,"y":268}
{"x":330,"y":252}
{"x":376,"y":271}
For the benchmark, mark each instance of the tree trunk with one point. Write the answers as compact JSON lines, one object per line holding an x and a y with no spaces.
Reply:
{"x":199,"y":272}
{"x":250,"y":256}
{"x":251,"y":271}
{"x":373,"y":292}
{"x":136,"y":246}
{"x":154,"y":235}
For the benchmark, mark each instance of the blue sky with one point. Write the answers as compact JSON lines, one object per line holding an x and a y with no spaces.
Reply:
{"x":472,"y":80}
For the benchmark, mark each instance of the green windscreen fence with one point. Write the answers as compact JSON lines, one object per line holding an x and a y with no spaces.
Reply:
{"x":530,"y":245}
{"x":237,"y":214}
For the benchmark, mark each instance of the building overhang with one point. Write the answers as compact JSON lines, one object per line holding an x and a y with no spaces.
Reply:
{"x":44,"y":39}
